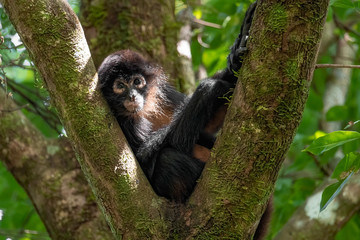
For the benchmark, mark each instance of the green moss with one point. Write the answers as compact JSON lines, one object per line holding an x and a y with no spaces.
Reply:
{"x":277,"y":18}
{"x":292,"y":70}
{"x":230,"y":212}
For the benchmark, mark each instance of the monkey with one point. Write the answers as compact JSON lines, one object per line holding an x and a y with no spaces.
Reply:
{"x":170,"y":134}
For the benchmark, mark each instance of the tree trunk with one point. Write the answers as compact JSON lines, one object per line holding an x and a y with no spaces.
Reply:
{"x":263,"y":115}
{"x":60,"y":52}
{"x":51,"y":176}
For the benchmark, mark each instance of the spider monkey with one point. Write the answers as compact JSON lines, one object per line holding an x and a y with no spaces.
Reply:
{"x":170,"y":134}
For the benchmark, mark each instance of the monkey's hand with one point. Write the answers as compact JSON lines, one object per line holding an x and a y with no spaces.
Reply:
{"x":239,"y":49}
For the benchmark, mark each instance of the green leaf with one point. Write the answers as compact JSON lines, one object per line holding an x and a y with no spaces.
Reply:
{"x":337,"y":113}
{"x":331,"y":140}
{"x":351,"y":147}
{"x":332,"y":191}
{"x":342,"y":3}
{"x":350,"y":163}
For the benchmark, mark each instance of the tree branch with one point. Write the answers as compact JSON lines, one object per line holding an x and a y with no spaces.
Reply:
{"x":308,"y":223}
{"x":51,"y":176}
{"x":61,"y":54}
{"x":336,"y":66}
{"x":13,"y":109}
{"x":262,"y":118}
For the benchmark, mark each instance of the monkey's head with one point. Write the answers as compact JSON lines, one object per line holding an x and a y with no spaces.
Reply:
{"x":126,"y":79}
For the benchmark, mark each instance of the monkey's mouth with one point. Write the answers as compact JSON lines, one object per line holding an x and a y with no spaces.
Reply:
{"x":133,"y":106}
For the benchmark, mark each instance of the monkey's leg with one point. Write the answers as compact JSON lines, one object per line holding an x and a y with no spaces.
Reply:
{"x":210,"y":96}
{"x":175,"y":174}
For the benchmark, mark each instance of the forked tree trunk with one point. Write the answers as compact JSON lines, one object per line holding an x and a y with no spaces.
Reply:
{"x":263,"y":116}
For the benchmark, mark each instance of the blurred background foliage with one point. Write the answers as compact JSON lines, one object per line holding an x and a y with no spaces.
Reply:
{"x":301,"y":174}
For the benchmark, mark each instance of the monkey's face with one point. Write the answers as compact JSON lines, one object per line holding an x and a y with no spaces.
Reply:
{"x":131,"y":90}
{"x":130,"y":84}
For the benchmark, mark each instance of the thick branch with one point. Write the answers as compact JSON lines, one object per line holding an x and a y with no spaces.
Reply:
{"x":264,"y":113}
{"x":54,"y":37}
{"x":308,"y":223}
{"x":336,"y":66}
{"x":50,"y":174}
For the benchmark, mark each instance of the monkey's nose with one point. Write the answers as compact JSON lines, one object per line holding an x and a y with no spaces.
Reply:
{"x":132,"y":98}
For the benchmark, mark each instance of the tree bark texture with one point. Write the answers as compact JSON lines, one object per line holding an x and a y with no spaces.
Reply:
{"x":263,"y":116}
{"x":53,"y":35}
{"x":51,"y":176}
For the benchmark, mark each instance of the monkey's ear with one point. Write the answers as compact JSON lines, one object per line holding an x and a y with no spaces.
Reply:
{"x":104,"y":80}
{"x":106,"y":69}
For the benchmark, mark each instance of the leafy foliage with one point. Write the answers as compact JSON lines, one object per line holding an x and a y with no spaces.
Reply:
{"x":332,"y":140}
{"x":344,"y":169}
{"x":20,"y":80}
{"x":302,"y":172}
{"x":332,"y":191}
{"x":18,"y":218}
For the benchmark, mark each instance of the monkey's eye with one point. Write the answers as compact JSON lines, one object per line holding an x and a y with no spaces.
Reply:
{"x":138,"y":81}
{"x":119,"y":87}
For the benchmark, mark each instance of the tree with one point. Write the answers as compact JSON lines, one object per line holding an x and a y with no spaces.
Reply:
{"x":282,"y":54}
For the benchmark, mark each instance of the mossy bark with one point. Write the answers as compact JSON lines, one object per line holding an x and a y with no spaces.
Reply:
{"x":51,"y":176}
{"x":53,"y":35}
{"x":263,"y":116}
